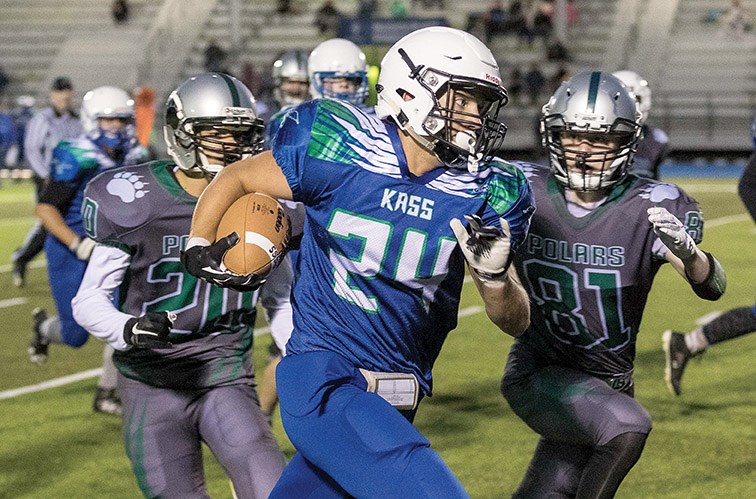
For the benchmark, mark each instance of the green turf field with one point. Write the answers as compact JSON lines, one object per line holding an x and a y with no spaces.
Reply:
{"x":703,"y":444}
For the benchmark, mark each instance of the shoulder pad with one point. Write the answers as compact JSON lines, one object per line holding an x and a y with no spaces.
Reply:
{"x":69,"y":158}
{"x":116,"y":200}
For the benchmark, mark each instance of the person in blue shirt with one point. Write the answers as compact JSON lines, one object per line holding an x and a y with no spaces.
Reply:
{"x":108,"y":141}
{"x":382,"y":259}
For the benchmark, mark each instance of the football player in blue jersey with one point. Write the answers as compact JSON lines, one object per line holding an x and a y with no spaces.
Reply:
{"x":679,"y":348}
{"x":291,"y":87}
{"x":597,"y":240}
{"x":182,"y":345}
{"x":382,"y":259}
{"x":338,"y":70}
{"x":653,"y":148}
{"x":107,"y":114}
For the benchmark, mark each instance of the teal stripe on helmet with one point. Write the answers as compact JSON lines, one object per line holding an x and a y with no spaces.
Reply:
{"x":232,"y":88}
{"x":593,"y":91}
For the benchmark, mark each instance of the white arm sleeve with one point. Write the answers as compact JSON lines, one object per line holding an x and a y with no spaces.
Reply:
{"x":275,"y":297}
{"x":93,"y":305}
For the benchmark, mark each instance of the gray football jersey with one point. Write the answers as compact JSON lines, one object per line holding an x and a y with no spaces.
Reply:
{"x":589,"y":278}
{"x":145,"y":212}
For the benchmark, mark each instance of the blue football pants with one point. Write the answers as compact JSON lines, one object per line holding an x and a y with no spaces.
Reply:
{"x":351,"y":442}
{"x":65,"y":273}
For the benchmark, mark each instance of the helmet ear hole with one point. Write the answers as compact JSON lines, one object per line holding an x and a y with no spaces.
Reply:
{"x":171,"y":116}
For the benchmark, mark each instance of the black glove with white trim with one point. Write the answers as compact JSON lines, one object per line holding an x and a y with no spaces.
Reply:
{"x":205,"y":260}
{"x":150,"y":330}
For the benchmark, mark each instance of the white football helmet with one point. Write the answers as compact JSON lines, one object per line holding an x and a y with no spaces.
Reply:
{"x":639,"y":87}
{"x":596,"y":105}
{"x":430,"y":65}
{"x":338,"y":58}
{"x":211,"y":121}
{"x":108,"y":102}
{"x":290,"y":66}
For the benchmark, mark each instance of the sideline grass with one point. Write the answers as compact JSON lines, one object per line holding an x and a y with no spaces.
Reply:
{"x":702,"y":444}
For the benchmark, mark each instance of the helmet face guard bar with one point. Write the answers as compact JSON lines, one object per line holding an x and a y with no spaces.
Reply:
{"x":248,"y":138}
{"x":592,"y":170}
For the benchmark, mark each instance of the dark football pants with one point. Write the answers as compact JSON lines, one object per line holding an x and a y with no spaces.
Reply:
{"x":575,"y":413}
{"x":163,"y":430}
{"x":34,"y":241}
{"x":351,"y":440}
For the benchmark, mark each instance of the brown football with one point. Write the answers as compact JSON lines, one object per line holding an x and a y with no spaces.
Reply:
{"x":264,"y":231}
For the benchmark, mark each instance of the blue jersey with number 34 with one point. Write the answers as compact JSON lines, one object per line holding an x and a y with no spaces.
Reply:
{"x":380,"y":272}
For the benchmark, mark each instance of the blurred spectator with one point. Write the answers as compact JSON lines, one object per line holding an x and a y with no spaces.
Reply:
{"x":398,"y":9}
{"x":438,"y":4}
{"x":215,"y":57}
{"x":494,"y":20}
{"x":518,"y":23}
{"x":286,"y":7}
{"x":7,"y":135}
{"x":561,"y":74}
{"x":365,"y":11}
{"x":736,"y":20}
{"x":252,"y":78}
{"x":572,"y":13}
{"x":22,"y":115}
{"x":144,"y":115}
{"x":120,"y":11}
{"x":557,"y":52}
{"x":542,"y":25}
{"x":326,"y":18}
{"x":535,"y":82}
{"x":514,"y":89}
{"x":4,"y":81}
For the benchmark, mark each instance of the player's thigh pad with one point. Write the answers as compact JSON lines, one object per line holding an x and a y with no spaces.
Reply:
{"x":568,"y":405}
{"x":65,"y":273}
{"x":160,"y":440}
{"x":232,"y":425}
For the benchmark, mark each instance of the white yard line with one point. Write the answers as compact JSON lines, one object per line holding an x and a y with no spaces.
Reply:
{"x":32,"y":265}
{"x":726,"y":220}
{"x":50,"y":384}
{"x":12,"y":302}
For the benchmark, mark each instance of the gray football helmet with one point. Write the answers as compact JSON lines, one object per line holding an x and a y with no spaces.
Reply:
{"x":597,"y":106}
{"x":211,"y":121}
{"x":290,"y":66}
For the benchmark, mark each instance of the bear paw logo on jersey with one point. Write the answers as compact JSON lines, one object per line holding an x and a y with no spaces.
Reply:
{"x":127,"y":186}
{"x":659,"y":192}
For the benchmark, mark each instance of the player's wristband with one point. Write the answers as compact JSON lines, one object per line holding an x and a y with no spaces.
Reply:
{"x":713,"y":287}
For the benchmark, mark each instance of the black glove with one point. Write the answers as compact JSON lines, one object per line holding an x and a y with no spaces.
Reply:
{"x":206,"y":262}
{"x":150,"y":330}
